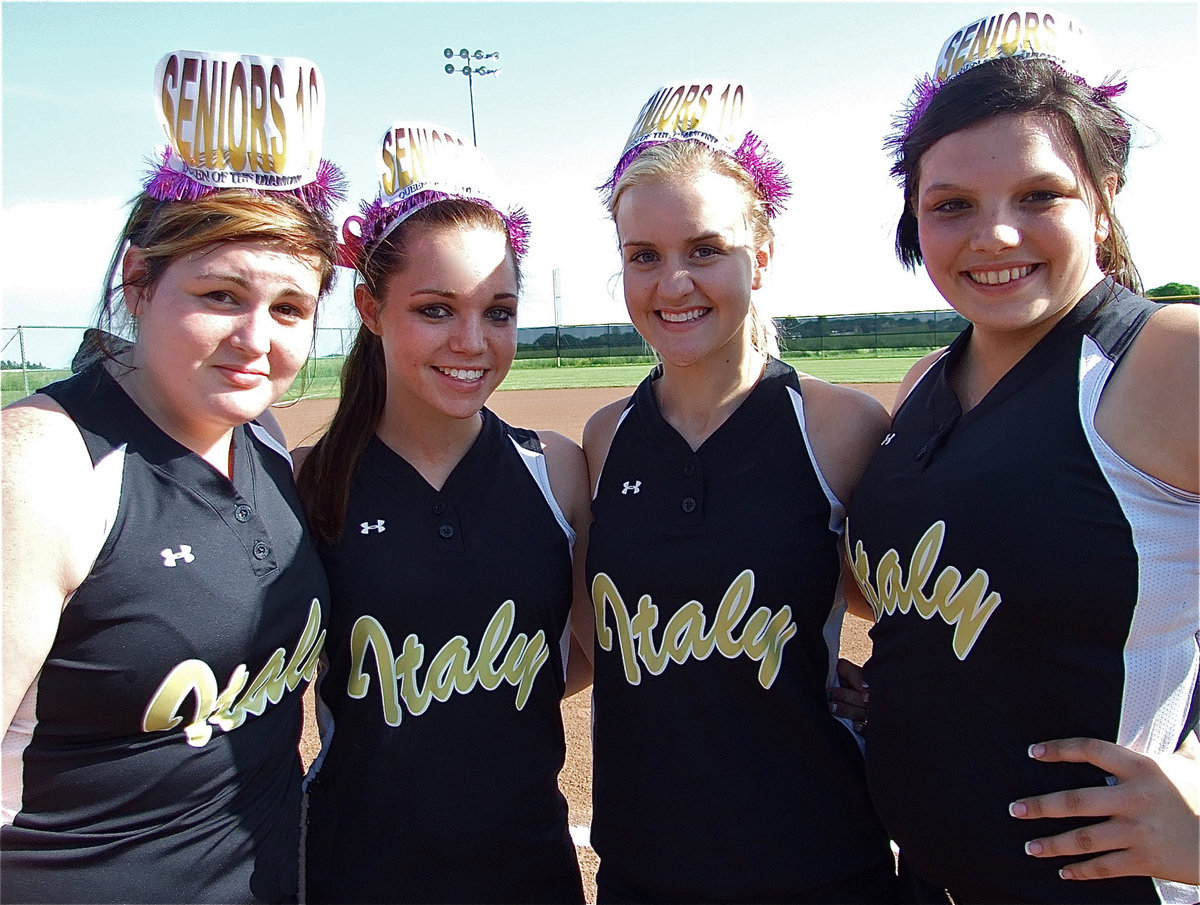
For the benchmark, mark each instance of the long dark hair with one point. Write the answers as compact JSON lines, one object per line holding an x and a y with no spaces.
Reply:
{"x":326,"y":475}
{"x":1089,"y":119}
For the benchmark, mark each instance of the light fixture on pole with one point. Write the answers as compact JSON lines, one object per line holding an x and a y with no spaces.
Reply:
{"x":472,"y":67}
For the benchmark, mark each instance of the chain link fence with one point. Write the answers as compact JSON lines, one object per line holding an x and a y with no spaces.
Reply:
{"x":32,"y":348}
{"x":34,"y":356}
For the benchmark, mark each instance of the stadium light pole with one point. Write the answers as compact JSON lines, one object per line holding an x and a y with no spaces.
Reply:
{"x":472,"y":66}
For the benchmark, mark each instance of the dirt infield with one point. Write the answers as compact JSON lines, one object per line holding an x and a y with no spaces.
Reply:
{"x":564,"y":411}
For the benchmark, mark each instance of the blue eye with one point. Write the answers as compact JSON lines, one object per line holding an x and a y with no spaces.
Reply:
{"x":501,"y":315}
{"x":435,"y":312}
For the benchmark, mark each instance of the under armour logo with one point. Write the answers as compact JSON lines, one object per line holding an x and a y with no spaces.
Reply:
{"x":635,"y":487}
{"x":888,"y":439}
{"x":367,"y":527}
{"x":170,"y":557}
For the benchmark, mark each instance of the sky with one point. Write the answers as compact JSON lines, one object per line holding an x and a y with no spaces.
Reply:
{"x":825,"y":79}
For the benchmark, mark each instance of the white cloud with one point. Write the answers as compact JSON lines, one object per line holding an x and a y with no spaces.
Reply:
{"x":55,"y":258}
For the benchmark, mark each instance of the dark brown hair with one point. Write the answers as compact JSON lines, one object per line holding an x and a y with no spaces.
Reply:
{"x":1088,"y":119}
{"x":326,"y":475}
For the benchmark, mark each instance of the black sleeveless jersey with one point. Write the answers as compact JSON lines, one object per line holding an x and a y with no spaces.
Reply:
{"x":155,"y":757}
{"x":719,"y":772}
{"x":442,"y":734}
{"x":1028,"y":585}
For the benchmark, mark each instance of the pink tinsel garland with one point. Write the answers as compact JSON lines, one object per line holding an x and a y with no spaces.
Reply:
{"x":770,"y":180}
{"x":166,"y":183}
{"x":927,"y":88}
{"x":377,"y":218}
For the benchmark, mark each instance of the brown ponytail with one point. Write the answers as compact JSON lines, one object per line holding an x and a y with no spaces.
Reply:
{"x":324,"y":478}
{"x":328,"y":472}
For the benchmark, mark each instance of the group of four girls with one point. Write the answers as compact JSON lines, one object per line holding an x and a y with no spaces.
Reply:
{"x":1022,"y":531}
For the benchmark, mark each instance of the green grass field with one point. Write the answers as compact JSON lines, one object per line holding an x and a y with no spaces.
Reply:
{"x":321,"y":375}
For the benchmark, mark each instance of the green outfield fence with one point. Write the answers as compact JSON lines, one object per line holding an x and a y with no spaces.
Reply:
{"x":35,"y":355}
{"x":828,"y":333}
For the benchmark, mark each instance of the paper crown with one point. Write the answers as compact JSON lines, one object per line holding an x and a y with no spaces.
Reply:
{"x":420,"y":163}
{"x":240,"y":121}
{"x":716,"y":114}
{"x":1022,"y":33}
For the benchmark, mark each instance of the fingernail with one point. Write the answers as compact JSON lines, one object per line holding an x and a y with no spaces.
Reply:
{"x":1037,"y":750}
{"x":1066,"y":874}
{"x":866,"y":684}
{"x":866,"y":697}
{"x":833,"y":708}
{"x":1033,"y":848}
{"x":1018,"y":809}
{"x":859,"y":727}
{"x":828,"y":694}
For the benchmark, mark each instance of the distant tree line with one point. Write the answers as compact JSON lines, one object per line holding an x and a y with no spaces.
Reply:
{"x":910,"y":329}
{"x":1173,"y":290}
{"x":8,"y":365}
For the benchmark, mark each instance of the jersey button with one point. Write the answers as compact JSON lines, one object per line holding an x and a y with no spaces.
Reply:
{"x":439,"y":507}
{"x":688,"y":504}
{"x":689,"y":469}
{"x":446,"y":531}
{"x":242,"y":513}
{"x":260,"y":550}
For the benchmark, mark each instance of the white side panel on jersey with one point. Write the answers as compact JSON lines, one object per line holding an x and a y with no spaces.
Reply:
{"x":1162,"y":657}
{"x":536,"y":463}
{"x":832,"y":630}
{"x":269,"y":439}
{"x":12,"y":752}
{"x":837,"y":511}
{"x":564,"y":647}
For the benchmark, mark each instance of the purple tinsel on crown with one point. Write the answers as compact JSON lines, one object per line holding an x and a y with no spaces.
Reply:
{"x":165,"y":183}
{"x":914,"y":108}
{"x":927,"y":88}
{"x":770,"y":180}
{"x":378,"y":218}
{"x":772,"y":183}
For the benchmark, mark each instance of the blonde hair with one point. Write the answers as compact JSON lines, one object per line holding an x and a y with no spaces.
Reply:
{"x":687,"y":160}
